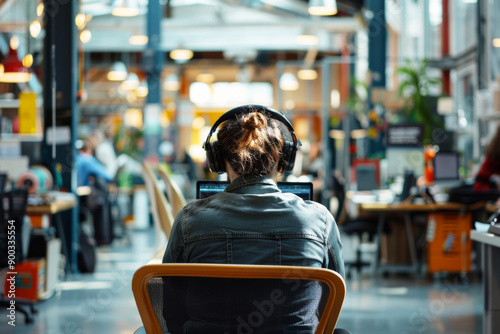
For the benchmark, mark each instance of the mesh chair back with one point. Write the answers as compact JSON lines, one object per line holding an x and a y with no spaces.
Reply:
{"x":18,"y":199}
{"x":3,"y":181}
{"x":210,"y":298}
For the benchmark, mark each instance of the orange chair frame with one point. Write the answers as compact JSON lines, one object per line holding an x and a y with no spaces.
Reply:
{"x":332,"y":279}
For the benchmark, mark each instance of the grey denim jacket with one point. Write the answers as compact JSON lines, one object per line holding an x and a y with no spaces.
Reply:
{"x":253,"y":222}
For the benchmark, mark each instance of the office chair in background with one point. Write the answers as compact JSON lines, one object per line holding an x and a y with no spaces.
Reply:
{"x":358,"y":227}
{"x":160,"y":207}
{"x":174,"y":193}
{"x":156,"y":289}
{"x":17,"y":199}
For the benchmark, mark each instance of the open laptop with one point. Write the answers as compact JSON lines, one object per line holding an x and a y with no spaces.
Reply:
{"x":207,"y":188}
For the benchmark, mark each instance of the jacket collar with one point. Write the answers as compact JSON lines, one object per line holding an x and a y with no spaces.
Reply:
{"x":252,"y":184}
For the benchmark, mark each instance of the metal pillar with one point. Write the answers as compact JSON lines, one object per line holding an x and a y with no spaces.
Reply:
{"x":325,"y":121}
{"x":377,"y":58}
{"x":377,"y":43}
{"x":153,"y":64}
{"x":60,"y":110}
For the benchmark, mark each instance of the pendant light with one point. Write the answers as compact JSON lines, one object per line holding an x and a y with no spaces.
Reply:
{"x":13,"y":69}
{"x":322,"y":7}
{"x":125,"y":8}
{"x":307,"y":74}
{"x":181,"y":54}
{"x":118,"y":72}
{"x":171,"y":83}
{"x":131,"y":83}
{"x":288,"y":81}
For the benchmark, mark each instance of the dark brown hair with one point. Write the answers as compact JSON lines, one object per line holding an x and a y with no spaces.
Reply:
{"x":252,"y":144}
{"x":493,"y":149}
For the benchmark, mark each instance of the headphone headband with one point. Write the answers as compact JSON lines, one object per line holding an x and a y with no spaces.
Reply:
{"x":247,"y":109}
{"x":214,"y":157}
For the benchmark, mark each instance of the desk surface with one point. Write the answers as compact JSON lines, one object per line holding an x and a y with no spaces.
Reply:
{"x":414,"y":207}
{"x":52,"y":208}
{"x":485,"y":237}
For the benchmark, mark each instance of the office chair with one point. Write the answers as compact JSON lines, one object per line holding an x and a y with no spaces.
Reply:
{"x":160,"y":208}
{"x":174,"y":193}
{"x":352,"y":226}
{"x":17,"y":199}
{"x":226,"y":297}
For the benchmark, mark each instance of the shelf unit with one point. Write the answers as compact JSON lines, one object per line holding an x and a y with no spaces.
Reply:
{"x":6,"y":106}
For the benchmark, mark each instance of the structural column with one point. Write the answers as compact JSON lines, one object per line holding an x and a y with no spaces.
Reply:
{"x":153,"y":64}
{"x":60,"y":110}
{"x":377,"y":57}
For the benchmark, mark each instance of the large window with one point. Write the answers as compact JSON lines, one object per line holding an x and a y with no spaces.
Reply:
{"x":495,"y":39}
{"x":463,"y":28}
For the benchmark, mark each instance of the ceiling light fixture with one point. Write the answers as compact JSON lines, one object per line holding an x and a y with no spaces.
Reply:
{"x":171,"y":83}
{"x":288,"y":81}
{"x":496,"y":42}
{"x":322,"y":7}
{"x":181,"y":54}
{"x":80,"y":20}
{"x":142,"y":90}
{"x":35,"y":28}
{"x":118,"y":72}
{"x":125,"y":8}
{"x":307,"y":74}
{"x":131,"y":83}
{"x":138,"y":40}
{"x":13,"y":69}
{"x":307,"y":37}
{"x":85,"y":36}
{"x":28,"y":60}
{"x":205,"y":77}
{"x":39,"y":9}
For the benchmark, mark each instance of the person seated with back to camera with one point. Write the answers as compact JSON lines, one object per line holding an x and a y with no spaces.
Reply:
{"x":251,"y":222}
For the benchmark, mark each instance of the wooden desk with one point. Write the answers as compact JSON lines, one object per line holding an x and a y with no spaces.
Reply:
{"x":407,"y":209}
{"x":52,"y":208}
{"x":491,"y":275}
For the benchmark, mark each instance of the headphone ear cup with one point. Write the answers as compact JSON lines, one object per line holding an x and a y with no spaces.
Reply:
{"x":288,"y":160}
{"x":210,"y":156}
{"x":219,"y":166}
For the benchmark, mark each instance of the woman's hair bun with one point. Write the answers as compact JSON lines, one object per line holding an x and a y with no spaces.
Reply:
{"x":255,"y":120}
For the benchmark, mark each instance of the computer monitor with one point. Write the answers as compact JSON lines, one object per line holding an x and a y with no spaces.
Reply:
{"x":402,"y":159}
{"x":366,"y":177}
{"x":207,"y":188}
{"x":446,"y":166}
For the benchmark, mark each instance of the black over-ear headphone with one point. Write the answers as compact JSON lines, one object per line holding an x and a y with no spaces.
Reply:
{"x":214,"y":152}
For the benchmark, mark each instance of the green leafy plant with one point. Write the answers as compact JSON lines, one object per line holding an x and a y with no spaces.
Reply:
{"x":416,"y":86}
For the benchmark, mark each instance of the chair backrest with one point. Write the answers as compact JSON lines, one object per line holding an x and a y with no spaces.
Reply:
{"x":175,"y":195}
{"x":161,"y":210}
{"x":339,"y":192}
{"x":267,"y":294}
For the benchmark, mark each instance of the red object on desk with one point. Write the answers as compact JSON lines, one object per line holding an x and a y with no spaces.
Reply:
{"x":358,"y":162}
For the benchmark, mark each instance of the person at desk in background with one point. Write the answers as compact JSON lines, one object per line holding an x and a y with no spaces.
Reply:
{"x":252,"y":221}
{"x":104,"y":151}
{"x":87,"y":165}
{"x":489,"y":173}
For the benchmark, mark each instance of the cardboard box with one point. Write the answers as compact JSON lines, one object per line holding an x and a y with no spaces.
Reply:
{"x":29,"y":278}
{"x":40,"y":221}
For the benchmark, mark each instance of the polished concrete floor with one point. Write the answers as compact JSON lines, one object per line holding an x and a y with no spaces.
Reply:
{"x":103,"y":302}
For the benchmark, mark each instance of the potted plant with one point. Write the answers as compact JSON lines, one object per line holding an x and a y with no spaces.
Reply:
{"x":416,"y":86}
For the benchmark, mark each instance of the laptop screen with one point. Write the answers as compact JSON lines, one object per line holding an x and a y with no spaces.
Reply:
{"x":207,"y":188}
